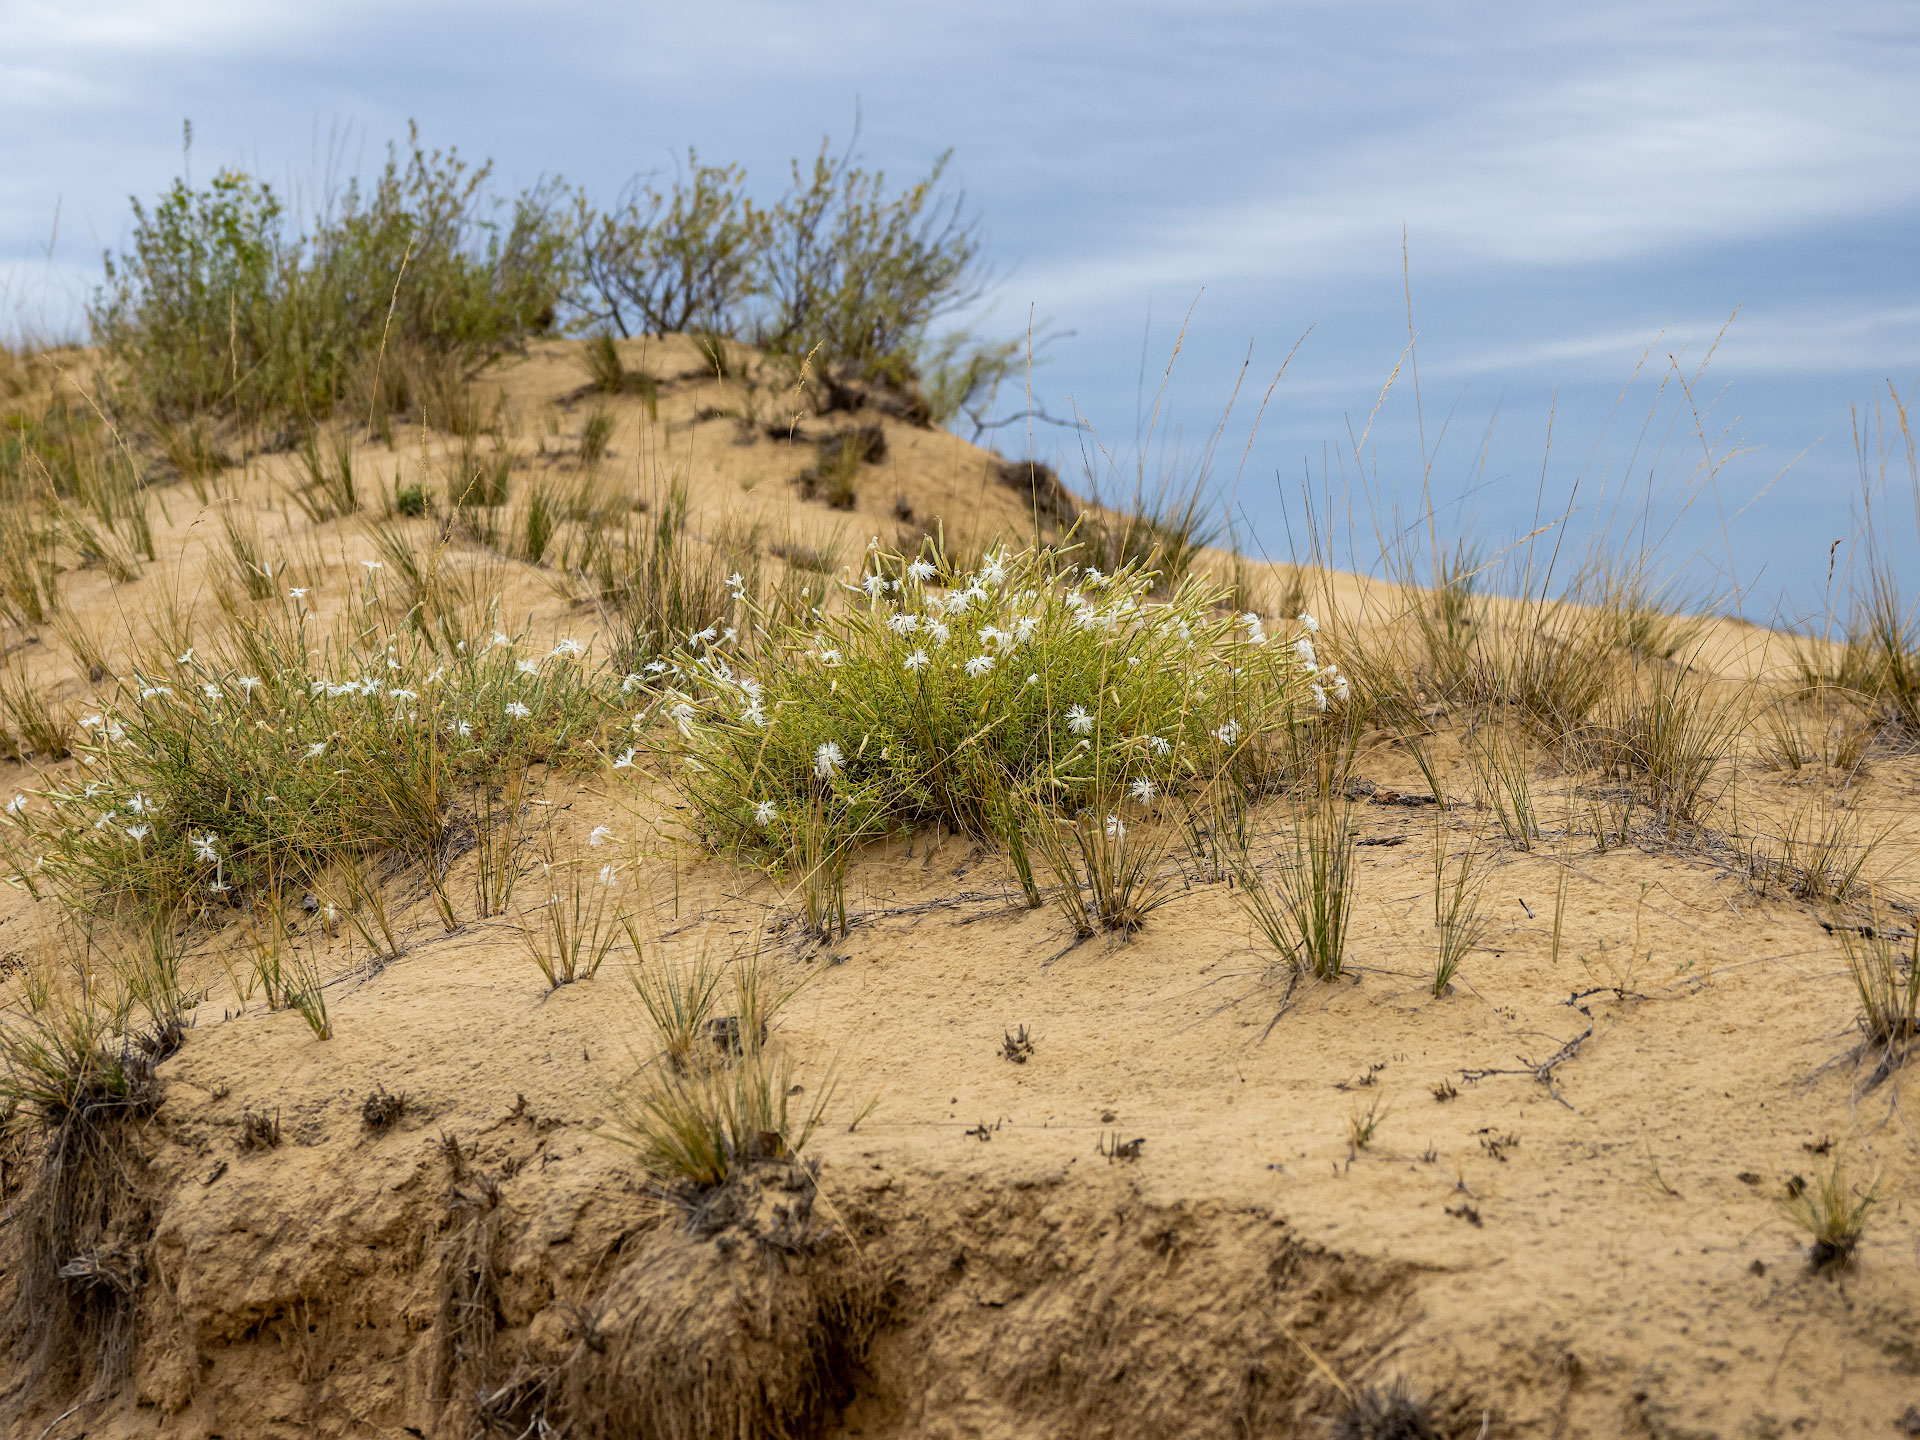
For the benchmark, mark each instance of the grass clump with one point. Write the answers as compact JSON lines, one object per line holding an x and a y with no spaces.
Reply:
{"x":1303,"y":908}
{"x":1886,"y":974}
{"x":223,"y":771}
{"x":1831,"y":1214}
{"x":577,"y":925}
{"x":932,"y":696}
{"x":1456,"y":908}
{"x":710,"y":1112}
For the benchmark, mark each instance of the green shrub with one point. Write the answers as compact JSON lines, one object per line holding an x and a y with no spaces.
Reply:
{"x":664,"y":263}
{"x":269,"y":763}
{"x":854,"y":274}
{"x":223,"y":307}
{"x":919,"y":700}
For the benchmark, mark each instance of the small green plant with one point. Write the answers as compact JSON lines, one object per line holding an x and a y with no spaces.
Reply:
{"x":541,"y":520}
{"x":1830,"y":1212}
{"x":594,"y":435}
{"x":1886,"y":975}
{"x":1503,"y":768}
{"x":1456,"y":909}
{"x":409,"y":500}
{"x":678,"y":998}
{"x":704,"y":1124}
{"x":36,"y":728}
{"x":328,"y":490}
{"x":578,"y":924}
{"x":1819,"y":856}
{"x":497,"y":831}
{"x":711,"y":1112}
{"x":1303,"y":910}
{"x":1670,"y":735}
{"x":1106,"y":872}
{"x":1361,"y":1124}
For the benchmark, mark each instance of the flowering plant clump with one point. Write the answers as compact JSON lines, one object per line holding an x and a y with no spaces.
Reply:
{"x":210,"y":773}
{"x":932,"y":695}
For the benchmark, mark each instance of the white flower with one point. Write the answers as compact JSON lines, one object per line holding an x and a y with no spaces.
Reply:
{"x":705,"y":637}
{"x":1341,"y":690}
{"x":993,"y":635}
{"x":901,"y":623}
{"x":1229,"y":733}
{"x":1319,"y":697}
{"x":1309,"y":624}
{"x":1033,"y":679}
{"x":1078,"y":720}
{"x":372,"y":565}
{"x":499,"y":638}
{"x":1115,"y":830}
{"x":568,"y":647}
{"x":609,"y":875}
{"x":153,"y":690}
{"x":873,"y":584}
{"x":599,"y":836}
{"x":212,"y":692}
{"x":958,"y":601}
{"x":101,"y":823}
{"x":249,"y":683}
{"x":1255,"y":634}
{"x":299,"y":592}
{"x":916,"y":661}
{"x":137,"y":833}
{"x":655,"y":667}
{"x":624,"y":761}
{"x":527,"y":667}
{"x":89,"y":722}
{"x":1141,"y":790}
{"x":1023,"y":629}
{"x":736,"y":584}
{"x":979,"y":665}
{"x":17,"y":805}
{"x":829,"y":657}
{"x":755,"y":716}
{"x":398,"y":694}
{"x":729,"y":635}
{"x":1094,"y":577}
{"x":517,"y":711}
{"x":1303,"y":647}
{"x":938,"y":630}
{"x":1160,"y":745}
{"x":141,"y":805}
{"x":826,"y":760}
{"x":203,"y":849}
{"x":187,"y":659}
{"x":764,"y":813}
{"x":114,"y":733}
{"x":920,"y":571}
{"x":993,"y":569}
{"x":316,"y":750}
{"x":682,"y":717}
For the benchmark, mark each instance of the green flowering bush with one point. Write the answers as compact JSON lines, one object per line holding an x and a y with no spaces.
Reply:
{"x":268,"y":761}
{"x":1031,"y":681}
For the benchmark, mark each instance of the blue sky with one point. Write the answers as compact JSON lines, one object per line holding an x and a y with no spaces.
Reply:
{"x":1581,"y":192}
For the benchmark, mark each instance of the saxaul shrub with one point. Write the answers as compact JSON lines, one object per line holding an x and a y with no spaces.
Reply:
{"x":213,"y":772}
{"x":935,"y":696}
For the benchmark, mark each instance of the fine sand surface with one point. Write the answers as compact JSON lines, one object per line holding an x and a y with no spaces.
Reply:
{"x":1154,"y":1223}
